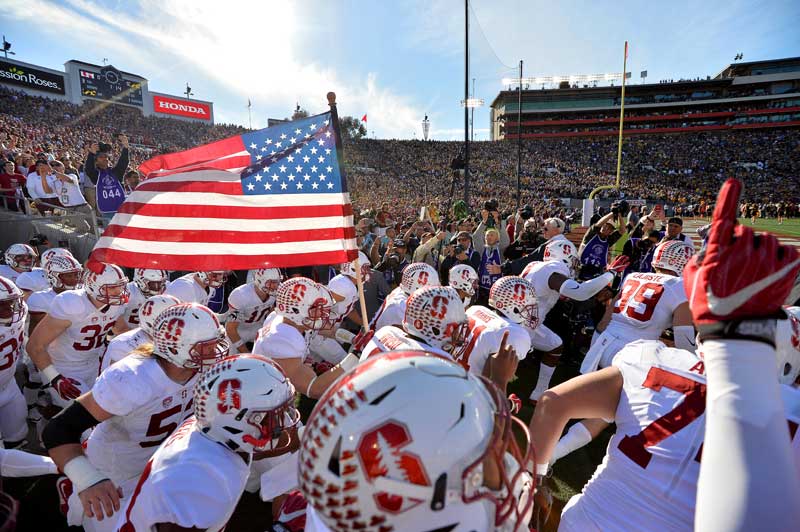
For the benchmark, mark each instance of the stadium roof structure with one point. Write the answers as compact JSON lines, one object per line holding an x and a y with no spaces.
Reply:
{"x":102,"y":66}
{"x":758,"y":68}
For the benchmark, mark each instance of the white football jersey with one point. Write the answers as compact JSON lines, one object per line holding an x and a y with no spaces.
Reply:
{"x":76,"y":352}
{"x":342,"y":286}
{"x":391,"y":338}
{"x":486,"y":329}
{"x":247,"y":309}
{"x":392,"y":311}
{"x":33,"y":281}
{"x":135,"y":301}
{"x":645,"y":305}
{"x":191,"y":481}
{"x":791,"y":405}
{"x":280,"y":340}
{"x":147,"y":407}
{"x":186,"y":289}
{"x":9,"y":273}
{"x":41,"y":301}
{"x":12,"y":341}
{"x":648,"y":478}
{"x":538,"y":273}
{"x":123,"y":345}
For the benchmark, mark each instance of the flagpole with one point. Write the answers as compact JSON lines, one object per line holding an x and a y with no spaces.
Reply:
{"x":340,"y":161}
{"x":249,"y":115}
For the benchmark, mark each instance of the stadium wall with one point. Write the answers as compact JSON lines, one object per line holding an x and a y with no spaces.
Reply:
{"x":34,"y":80}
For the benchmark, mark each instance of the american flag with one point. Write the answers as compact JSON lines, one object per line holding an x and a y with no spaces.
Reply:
{"x":270,"y":198}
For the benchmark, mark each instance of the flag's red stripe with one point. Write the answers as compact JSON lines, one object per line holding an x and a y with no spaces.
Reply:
{"x":210,"y":236}
{"x":208,"y":152}
{"x":203,"y":262}
{"x":228,"y":163}
{"x":241,"y":213}
{"x":233,"y":188}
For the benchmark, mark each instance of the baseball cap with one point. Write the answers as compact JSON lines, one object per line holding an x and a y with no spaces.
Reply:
{"x":399,"y":243}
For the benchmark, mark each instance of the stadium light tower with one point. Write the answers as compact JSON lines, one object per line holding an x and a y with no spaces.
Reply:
{"x":188,"y":92}
{"x":426,"y":127}
{"x":7,"y":47}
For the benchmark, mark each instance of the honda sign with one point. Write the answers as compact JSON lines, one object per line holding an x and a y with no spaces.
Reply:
{"x":176,"y":106}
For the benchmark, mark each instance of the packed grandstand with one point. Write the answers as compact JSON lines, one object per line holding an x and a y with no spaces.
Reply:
{"x":519,"y":275}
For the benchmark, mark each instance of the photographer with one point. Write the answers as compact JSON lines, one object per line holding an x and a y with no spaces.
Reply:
{"x":640,"y":251}
{"x":458,"y":252}
{"x":598,"y":239}
{"x":394,"y":262}
{"x":68,"y":189}
{"x":528,"y":237}
{"x":40,"y":185}
{"x":98,"y":165}
{"x":427,"y":252}
{"x":491,"y":240}
{"x":553,"y":230}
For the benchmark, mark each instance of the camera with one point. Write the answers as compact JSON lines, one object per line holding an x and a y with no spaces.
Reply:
{"x":393,"y":260}
{"x":621,"y":208}
{"x":526,"y":212}
{"x":458,"y":249}
{"x":104,"y":147}
{"x":490,"y":205}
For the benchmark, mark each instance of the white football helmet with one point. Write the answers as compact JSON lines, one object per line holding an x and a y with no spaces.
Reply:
{"x":267,"y":279}
{"x":304,"y":302}
{"x":515,"y":298}
{"x":12,"y":308}
{"x":151,"y":282}
{"x":787,"y":343}
{"x":246,"y":402}
{"x":49,"y":253}
{"x":464,"y":277}
{"x":436,"y":315}
{"x":401,"y":442}
{"x":110,"y":286}
{"x":189,"y":336}
{"x":417,"y":275}
{"x":562,"y":250}
{"x":672,"y":255}
{"x":63,"y":271}
{"x":349,"y":270}
{"x":152,"y":308}
{"x":20,"y":257}
{"x":214,"y":279}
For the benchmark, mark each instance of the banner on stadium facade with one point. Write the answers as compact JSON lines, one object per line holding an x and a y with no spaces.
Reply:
{"x":110,"y":194}
{"x":31,"y":78}
{"x":176,"y":106}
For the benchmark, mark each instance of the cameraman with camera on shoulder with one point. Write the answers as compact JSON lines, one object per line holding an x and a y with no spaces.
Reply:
{"x":528,"y":236}
{"x":458,"y":252}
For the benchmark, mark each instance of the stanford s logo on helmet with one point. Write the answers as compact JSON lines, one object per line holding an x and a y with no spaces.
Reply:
{"x":110,"y":286}
{"x":189,"y":336}
{"x":463,"y":277}
{"x":515,"y":298}
{"x":672,"y":255}
{"x":418,"y":275}
{"x":305,"y":303}
{"x":436,"y":315}
{"x":151,"y":282}
{"x":562,"y":250}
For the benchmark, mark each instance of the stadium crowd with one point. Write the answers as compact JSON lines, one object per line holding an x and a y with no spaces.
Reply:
{"x":125,"y":379}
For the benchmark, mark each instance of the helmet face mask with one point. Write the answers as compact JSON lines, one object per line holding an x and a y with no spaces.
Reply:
{"x":305,"y":303}
{"x":348,"y":269}
{"x":514,"y":297}
{"x":188,"y":335}
{"x":63,"y":272}
{"x":436,"y":315}
{"x":109,"y":287}
{"x":215,"y":278}
{"x":272,"y":427}
{"x":151,"y":282}
{"x":20,"y":257}
{"x":12,"y":308}
{"x":204,"y":354}
{"x":268,"y":280}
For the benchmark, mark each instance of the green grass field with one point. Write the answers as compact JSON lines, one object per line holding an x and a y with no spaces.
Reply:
{"x":789,"y":227}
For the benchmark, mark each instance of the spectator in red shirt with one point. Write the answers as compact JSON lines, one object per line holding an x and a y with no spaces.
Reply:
{"x":10,"y":182}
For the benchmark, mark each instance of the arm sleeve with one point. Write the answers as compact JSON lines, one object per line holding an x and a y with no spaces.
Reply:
{"x":122,"y":164}
{"x":478,"y":237}
{"x":21,"y":464}
{"x":583,"y":291}
{"x":89,"y":168}
{"x":504,"y":239}
{"x":747,"y":452}
{"x":31,"y":186}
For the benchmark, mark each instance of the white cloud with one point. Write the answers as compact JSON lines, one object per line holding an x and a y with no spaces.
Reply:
{"x":248,"y":49}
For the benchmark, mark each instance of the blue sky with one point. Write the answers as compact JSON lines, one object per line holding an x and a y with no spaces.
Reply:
{"x":394,"y":60}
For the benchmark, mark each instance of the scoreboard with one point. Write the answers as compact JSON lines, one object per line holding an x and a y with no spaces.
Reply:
{"x":110,"y":84}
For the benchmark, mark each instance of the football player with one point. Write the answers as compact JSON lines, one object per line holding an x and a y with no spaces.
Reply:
{"x":195,"y":479}
{"x":371,"y":456}
{"x":513,"y":310}
{"x":648,"y":303}
{"x":67,"y":344}
{"x":196,"y":287}
{"x":344,"y":290}
{"x":434,"y":321}
{"x":13,"y":408}
{"x":464,"y":279}
{"x":36,"y":279}
{"x":146,"y":283}
{"x":552,"y":278}
{"x":415,"y":275}
{"x":125,"y":343}
{"x":19,"y":259}
{"x":135,"y":405}
{"x":63,"y":272}
{"x":303,"y":307}
{"x":249,"y":305}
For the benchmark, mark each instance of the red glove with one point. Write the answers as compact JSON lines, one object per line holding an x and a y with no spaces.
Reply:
{"x":515,"y":403}
{"x":65,"y":387}
{"x":619,"y":265}
{"x":362,"y":339}
{"x":739,"y":275}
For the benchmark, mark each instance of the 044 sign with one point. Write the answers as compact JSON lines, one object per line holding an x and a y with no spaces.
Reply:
{"x":109,"y":194}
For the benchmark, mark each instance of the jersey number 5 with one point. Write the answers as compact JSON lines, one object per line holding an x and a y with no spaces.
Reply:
{"x":692,"y":407}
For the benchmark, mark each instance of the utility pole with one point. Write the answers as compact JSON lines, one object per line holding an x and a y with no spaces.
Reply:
{"x":466,"y":97}
{"x":472,"y":116}
{"x":519,"y":137}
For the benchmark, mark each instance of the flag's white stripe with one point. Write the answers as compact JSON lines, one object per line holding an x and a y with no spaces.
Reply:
{"x":231,"y":224}
{"x":222,"y":176}
{"x":223,"y":248}
{"x":224,"y":200}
